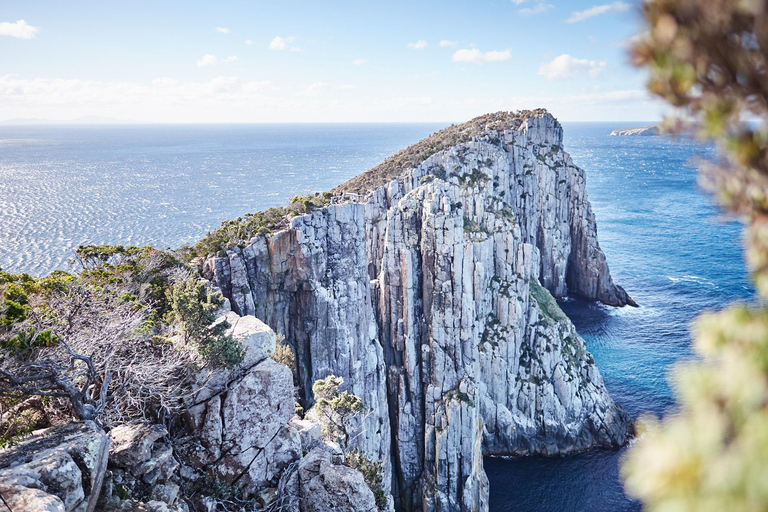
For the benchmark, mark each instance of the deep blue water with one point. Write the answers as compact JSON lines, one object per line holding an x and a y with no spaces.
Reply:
{"x":169,"y":185}
{"x":669,"y":246}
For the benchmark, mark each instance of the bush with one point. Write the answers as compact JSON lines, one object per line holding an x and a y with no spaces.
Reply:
{"x":709,"y":58}
{"x":239,"y":231}
{"x":72,"y":336}
{"x":193,"y":306}
{"x":284,"y":354}
{"x":373,"y":473}
{"x":336,"y":411}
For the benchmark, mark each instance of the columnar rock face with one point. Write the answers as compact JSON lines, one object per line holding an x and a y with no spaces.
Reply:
{"x":432,"y":295}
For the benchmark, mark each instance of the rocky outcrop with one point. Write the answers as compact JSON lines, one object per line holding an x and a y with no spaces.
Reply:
{"x":244,"y":434}
{"x":321,"y":485}
{"x":644,"y":131}
{"x":240,"y":418}
{"x":59,"y":469}
{"x":433,"y":297}
{"x":142,"y":471}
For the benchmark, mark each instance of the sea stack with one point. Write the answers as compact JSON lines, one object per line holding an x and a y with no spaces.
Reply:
{"x":429,"y":285}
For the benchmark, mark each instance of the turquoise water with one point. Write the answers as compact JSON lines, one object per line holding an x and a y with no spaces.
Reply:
{"x":674,"y":253}
{"x":168,"y":185}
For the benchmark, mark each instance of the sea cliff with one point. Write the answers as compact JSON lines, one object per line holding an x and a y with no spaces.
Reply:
{"x":429,"y":285}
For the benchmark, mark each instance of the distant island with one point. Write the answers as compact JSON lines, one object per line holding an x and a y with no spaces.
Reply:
{"x":643,"y":131}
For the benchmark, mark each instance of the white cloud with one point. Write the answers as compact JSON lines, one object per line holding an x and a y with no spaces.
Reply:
{"x":222,"y":84}
{"x":314,"y":89}
{"x":222,"y":30}
{"x":565,"y":66}
{"x":446,"y":42}
{"x":475,"y":56}
{"x":360,"y":62}
{"x":165,"y":82}
{"x":346,"y":87}
{"x":280,"y":43}
{"x":498,"y":56}
{"x":539,"y":7}
{"x":631,"y":41}
{"x":596,"y":10}
{"x":226,"y":99}
{"x":232,"y":58}
{"x":207,"y":60}
{"x":249,"y":41}
{"x":20,"y":30}
{"x":518,"y":2}
{"x":418,"y":45}
{"x":258,"y":87}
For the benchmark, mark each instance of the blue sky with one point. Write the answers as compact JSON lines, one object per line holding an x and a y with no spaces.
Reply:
{"x":319,"y":61}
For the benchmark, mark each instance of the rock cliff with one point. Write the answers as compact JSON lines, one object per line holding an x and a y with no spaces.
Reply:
{"x":429,"y":285}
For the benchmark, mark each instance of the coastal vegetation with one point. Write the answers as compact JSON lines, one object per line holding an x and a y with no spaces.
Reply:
{"x":709,"y":60}
{"x":339,"y":412}
{"x":239,"y":231}
{"x":415,"y":154}
{"x":116,"y":341}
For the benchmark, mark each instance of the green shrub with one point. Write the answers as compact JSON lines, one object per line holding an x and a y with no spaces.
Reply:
{"x":284,"y":354}
{"x":194,"y":306}
{"x":336,"y":410}
{"x":238,"y":231}
{"x":373,"y":473}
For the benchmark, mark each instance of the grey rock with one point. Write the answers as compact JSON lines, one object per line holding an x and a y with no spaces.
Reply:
{"x":166,"y":493}
{"x":60,"y":468}
{"x":132,"y":443}
{"x":26,"y":499}
{"x":432,"y":297}
{"x":325,"y":486}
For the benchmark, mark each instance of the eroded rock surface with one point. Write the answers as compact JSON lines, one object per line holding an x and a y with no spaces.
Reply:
{"x":57,"y":469}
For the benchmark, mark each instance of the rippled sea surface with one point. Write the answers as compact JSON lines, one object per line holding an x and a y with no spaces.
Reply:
{"x":165,"y":185}
{"x":169,"y":185}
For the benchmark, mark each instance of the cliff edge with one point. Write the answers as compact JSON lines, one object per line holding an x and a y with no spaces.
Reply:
{"x":428,"y":283}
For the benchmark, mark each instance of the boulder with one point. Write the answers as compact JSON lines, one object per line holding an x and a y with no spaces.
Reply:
{"x":325,"y":486}
{"x":132,"y":444}
{"x":60,"y":468}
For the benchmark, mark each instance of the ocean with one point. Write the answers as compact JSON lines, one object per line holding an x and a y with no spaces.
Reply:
{"x":167,"y":185}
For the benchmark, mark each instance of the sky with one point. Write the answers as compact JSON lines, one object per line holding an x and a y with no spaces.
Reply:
{"x":236,"y":61}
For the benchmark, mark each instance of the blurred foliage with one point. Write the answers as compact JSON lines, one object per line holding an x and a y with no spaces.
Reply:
{"x":709,"y":58}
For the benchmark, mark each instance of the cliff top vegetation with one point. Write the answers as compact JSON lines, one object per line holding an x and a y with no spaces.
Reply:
{"x":414,"y":154}
{"x":239,"y":231}
{"x":114,"y":342}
